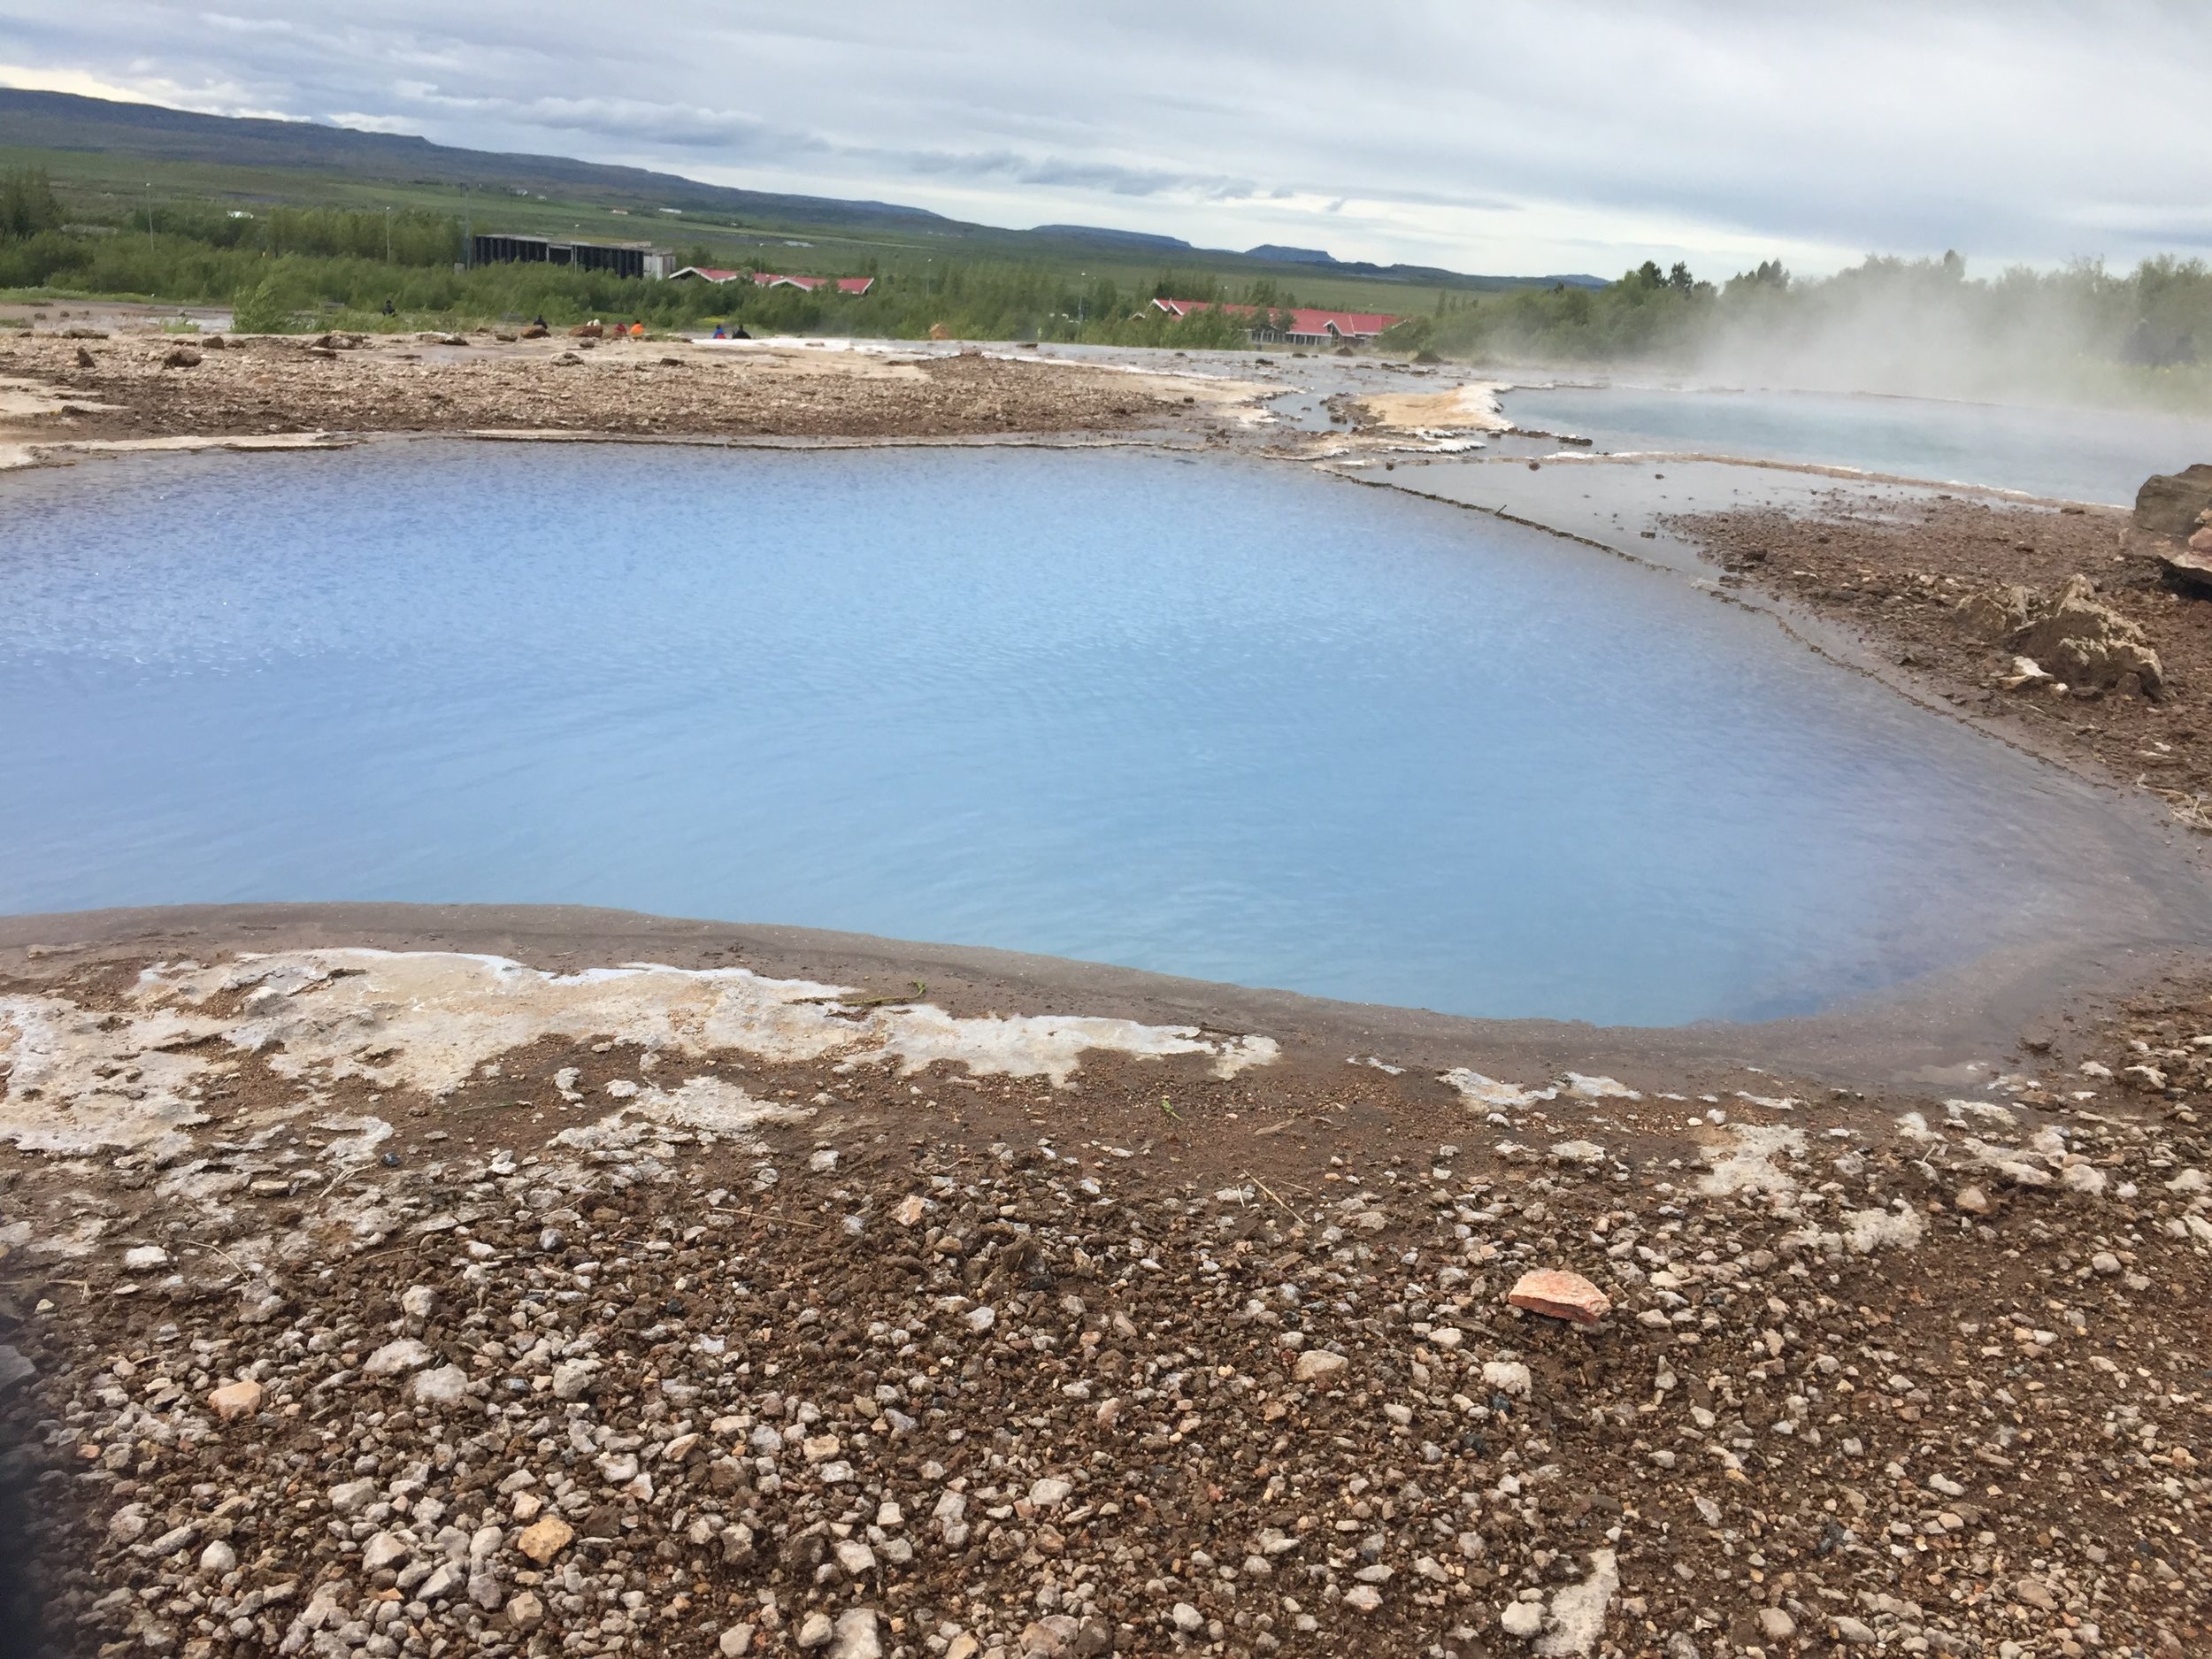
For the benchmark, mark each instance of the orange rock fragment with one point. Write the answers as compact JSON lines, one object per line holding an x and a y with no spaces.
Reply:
{"x":1558,"y":1295}
{"x":236,"y":1400}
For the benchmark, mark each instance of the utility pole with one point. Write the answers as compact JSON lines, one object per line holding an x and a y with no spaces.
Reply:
{"x":388,"y":234}
{"x":468,"y":232}
{"x":149,"y":210}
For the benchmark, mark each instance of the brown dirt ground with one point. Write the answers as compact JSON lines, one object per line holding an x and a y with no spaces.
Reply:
{"x":259,"y":385}
{"x":1994,"y":1438}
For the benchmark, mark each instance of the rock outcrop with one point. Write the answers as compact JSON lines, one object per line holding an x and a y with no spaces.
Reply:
{"x":2173,"y":525}
{"x":2174,"y":504}
{"x":2071,"y":635}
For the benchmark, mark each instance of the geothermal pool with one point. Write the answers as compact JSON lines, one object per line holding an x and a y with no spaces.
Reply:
{"x":1224,"y":719}
{"x":2074,"y":454}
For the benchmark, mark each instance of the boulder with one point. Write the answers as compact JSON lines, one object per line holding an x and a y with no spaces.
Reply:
{"x":2072,"y":635}
{"x":586,"y":331}
{"x":2173,"y":503}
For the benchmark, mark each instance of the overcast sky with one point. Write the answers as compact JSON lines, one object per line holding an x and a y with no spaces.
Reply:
{"x":1511,"y":137}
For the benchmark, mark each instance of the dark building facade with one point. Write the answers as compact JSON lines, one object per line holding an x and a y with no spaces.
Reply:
{"x":622,"y":260}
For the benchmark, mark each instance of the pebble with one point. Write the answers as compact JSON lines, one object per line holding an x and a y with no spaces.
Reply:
{"x":1318,"y":1365}
{"x":1508,"y":1377}
{"x":236,"y":1400}
{"x":1524,"y":1619}
{"x":572,"y":1378}
{"x":816,"y":1632}
{"x":218,"y":1558}
{"x":350,"y":1497}
{"x":406,"y":1353}
{"x":855,"y":1636}
{"x":545,"y":1538}
{"x":735,"y":1642}
{"x":446,"y":1385}
{"x":383,"y":1549}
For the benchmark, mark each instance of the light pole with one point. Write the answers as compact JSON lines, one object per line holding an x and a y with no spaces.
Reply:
{"x":149,"y":210}
{"x":388,"y":234}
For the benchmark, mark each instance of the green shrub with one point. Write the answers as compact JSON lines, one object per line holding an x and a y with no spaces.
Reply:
{"x":266,"y":308}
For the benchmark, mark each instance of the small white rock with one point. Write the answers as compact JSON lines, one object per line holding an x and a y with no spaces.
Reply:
{"x":407,"y":1354}
{"x":447,"y":1385}
{"x":1508,"y":1377}
{"x":1524,"y":1619}
{"x":383,"y":1549}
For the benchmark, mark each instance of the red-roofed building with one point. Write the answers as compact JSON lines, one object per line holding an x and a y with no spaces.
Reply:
{"x":845,"y":284}
{"x":1307,"y":326}
{"x":768,"y":280}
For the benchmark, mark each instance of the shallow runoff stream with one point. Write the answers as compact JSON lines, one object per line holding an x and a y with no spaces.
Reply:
{"x":1227,"y":719}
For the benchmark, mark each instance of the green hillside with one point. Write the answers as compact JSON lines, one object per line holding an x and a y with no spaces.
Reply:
{"x":110,"y":162}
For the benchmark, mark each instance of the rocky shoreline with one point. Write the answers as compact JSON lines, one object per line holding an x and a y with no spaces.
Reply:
{"x":2061,"y":624}
{"x":434,"y":1303}
{"x":135,"y":386}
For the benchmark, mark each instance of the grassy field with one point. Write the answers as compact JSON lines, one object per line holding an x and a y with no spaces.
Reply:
{"x":110,"y":189}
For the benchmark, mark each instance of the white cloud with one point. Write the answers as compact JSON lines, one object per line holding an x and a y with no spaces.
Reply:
{"x":1517,"y":136}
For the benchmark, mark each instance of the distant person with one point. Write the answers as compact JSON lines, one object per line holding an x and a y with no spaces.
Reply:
{"x":719,"y":332}
{"x":390,"y":309}
{"x":739,"y":333}
{"x":637,"y":331}
{"x":538,"y":321}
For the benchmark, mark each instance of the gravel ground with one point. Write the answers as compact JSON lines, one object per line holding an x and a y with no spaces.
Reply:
{"x":141,"y":386}
{"x":910,"y":1358}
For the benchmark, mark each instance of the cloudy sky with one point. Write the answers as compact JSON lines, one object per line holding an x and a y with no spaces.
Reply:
{"x":1503,"y":136}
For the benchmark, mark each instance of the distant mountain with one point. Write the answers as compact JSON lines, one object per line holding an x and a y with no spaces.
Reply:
{"x":1120,"y":240}
{"x":61,"y":121}
{"x":1425,"y":275}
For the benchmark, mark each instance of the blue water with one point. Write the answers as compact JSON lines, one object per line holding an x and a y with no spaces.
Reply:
{"x":1221,"y":719}
{"x":2069,"y":455}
